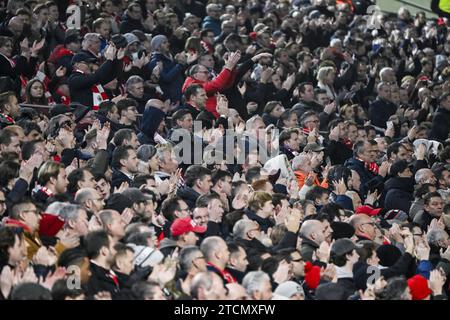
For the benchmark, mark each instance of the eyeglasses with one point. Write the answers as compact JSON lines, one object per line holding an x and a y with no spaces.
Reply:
{"x":34,"y":211}
{"x":373,"y":224}
{"x":315,"y":121}
{"x":201,"y":257}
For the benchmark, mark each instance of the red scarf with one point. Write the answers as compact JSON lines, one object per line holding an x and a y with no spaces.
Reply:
{"x":372,"y":167}
{"x":225,"y":274}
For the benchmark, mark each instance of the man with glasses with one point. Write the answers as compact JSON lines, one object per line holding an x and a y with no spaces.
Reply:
{"x":192,"y":262}
{"x":132,"y":19}
{"x":365,"y":227}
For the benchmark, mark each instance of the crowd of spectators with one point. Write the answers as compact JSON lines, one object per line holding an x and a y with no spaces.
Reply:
{"x":234,"y":149}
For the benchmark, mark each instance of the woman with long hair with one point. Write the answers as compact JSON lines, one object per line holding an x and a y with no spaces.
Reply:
{"x":35,"y":93}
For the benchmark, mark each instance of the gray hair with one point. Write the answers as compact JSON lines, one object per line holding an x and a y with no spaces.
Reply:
{"x":254,"y":281}
{"x":241,"y":228}
{"x":161,"y":151}
{"x":201,"y":280}
{"x":145,"y":151}
{"x":187,"y":255}
{"x":420,"y":174}
{"x":435,"y":236}
{"x":70,"y":212}
{"x":55,"y":208}
{"x":83,"y":195}
{"x":106,"y":216}
{"x":210,"y":245}
{"x":132,"y":81}
{"x":298,"y":161}
{"x":88,"y":37}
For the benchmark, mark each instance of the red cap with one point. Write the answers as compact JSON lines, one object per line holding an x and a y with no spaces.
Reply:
{"x":184,"y":225}
{"x":440,"y":21}
{"x":368,"y":210}
{"x":423,"y":78}
{"x":50,"y":225}
{"x":418,"y":285}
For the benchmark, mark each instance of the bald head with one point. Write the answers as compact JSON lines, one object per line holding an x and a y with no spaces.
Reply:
{"x":364,"y":226}
{"x":15,"y":25}
{"x":313,"y":230}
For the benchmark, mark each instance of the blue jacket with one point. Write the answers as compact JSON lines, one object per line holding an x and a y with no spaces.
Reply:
{"x":171,"y":78}
{"x":213,"y":24}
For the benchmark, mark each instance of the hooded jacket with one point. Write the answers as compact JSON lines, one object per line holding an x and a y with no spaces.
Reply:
{"x":151,"y":119}
{"x":399,"y":193}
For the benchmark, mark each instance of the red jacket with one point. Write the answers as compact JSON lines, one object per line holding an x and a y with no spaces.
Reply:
{"x":223,"y":81}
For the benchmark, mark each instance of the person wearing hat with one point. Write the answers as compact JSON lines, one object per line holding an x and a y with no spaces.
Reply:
{"x":86,"y":86}
{"x":368,"y":256}
{"x":183,"y":233}
{"x":290,"y":290}
{"x":400,"y":188}
{"x":344,"y":256}
{"x":62,"y":54}
{"x":172,"y":72}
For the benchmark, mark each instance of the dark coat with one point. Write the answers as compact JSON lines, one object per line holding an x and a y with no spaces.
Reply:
{"x":171,"y":78}
{"x":440,"y":128}
{"x":118,"y":177}
{"x":369,"y":181}
{"x":22,"y":67}
{"x":80,"y":85}
{"x":379,"y":112}
{"x":308,"y":248}
{"x":151,"y":119}
{"x":338,"y":152}
{"x":399,"y":193}
{"x":101,"y":280}
{"x":189,"y":196}
{"x":401,"y":267}
{"x":423,"y":219}
{"x":264,"y":223}
{"x":128,"y":24}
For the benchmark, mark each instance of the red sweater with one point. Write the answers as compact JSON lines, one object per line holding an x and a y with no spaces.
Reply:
{"x":223,"y":81}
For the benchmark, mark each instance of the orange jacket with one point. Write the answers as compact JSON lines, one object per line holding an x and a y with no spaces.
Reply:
{"x":301,"y":177}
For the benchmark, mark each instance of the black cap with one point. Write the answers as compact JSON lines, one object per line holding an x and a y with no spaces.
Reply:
{"x":342,"y":246}
{"x":388,"y":254}
{"x":83,"y":57}
{"x":118,"y":202}
{"x":398,"y":167}
{"x":72,"y":36}
{"x":79,"y":110}
{"x":342,"y":230}
{"x":58,"y":109}
{"x":119,"y":41}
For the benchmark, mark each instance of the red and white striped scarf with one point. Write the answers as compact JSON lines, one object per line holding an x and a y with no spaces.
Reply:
{"x":98,"y":96}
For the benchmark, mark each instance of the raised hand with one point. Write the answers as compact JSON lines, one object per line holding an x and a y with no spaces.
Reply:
{"x":127,"y":215}
{"x":61,"y":72}
{"x":233,"y":60}
{"x":37,"y":46}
